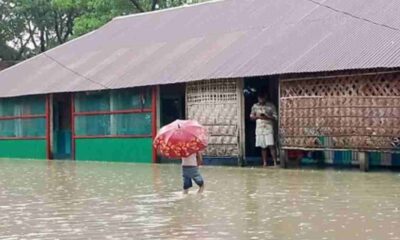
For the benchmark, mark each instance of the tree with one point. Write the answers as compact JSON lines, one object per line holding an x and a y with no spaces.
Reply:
{"x":99,"y":12}
{"x":32,"y":26}
{"x":10,"y":31}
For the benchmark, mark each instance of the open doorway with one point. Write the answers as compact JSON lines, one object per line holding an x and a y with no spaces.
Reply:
{"x":271,"y":86}
{"x":172,"y":103}
{"x":172,"y":107}
{"x":62,"y":133}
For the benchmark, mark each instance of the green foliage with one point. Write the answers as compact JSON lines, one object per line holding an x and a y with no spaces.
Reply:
{"x":99,"y":12}
{"x":33,"y":26}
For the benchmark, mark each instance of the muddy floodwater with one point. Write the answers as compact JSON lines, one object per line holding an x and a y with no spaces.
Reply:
{"x":89,"y":200}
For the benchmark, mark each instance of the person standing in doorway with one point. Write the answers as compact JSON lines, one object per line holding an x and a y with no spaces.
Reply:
{"x":264,"y":113}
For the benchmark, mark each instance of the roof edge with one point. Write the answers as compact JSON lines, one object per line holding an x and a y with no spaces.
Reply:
{"x":167,"y":9}
{"x":305,"y":75}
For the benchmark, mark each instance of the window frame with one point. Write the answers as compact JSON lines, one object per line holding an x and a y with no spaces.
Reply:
{"x":18,"y":105}
{"x":142,"y":91}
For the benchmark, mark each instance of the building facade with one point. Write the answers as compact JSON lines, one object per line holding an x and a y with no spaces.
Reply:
{"x":102,"y":96}
{"x":337,"y":116}
{"x":112,"y":125}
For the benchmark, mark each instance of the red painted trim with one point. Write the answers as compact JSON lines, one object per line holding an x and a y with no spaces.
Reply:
{"x":112,"y":136}
{"x":22,"y":138}
{"x":72,"y":127}
{"x":48,"y":144}
{"x":113,"y":112}
{"x":23,"y":116}
{"x":154,"y":120}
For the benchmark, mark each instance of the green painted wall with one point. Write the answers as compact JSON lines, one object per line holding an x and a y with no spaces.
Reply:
{"x":34,"y":149}
{"x":114,"y":149}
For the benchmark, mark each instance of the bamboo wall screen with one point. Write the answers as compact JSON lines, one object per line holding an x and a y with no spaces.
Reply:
{"x":215,"y":104}
{"x":360,"y":112}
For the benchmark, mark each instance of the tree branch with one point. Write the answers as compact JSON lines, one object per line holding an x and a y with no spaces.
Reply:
{"x":137,"y":5}
{"x":42,"y":40}
{"x":32,"y":34}
{"x":22,"y":48}
{"x":57,"y":27}
{"x":47,"y":33}
{"x":69,"y":25}
{"x":154,"y":5}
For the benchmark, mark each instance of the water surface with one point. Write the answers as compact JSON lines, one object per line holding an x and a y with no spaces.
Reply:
{"x":79,"y":200}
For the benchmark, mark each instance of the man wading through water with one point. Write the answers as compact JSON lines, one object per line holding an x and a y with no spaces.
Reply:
{"x":264,"y":113}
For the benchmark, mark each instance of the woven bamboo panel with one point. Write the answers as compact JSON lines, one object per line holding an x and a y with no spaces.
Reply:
{"x":341,"y":113}
{"x":214,"y":103}
{"x":212,"y":91}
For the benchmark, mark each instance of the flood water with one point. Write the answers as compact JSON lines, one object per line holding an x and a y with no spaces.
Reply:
{"x":79,"y":200}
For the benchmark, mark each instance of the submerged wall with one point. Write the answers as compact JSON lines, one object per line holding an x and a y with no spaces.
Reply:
{"x":114,"y":125}
{"x":348,"y":158}
{"x":115,"y":149}
{"x":23,"y":148}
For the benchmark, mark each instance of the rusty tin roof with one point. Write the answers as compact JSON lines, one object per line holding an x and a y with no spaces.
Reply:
{"x":219,"y":39}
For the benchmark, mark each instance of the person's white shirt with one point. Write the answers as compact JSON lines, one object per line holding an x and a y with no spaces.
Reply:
{"x":190,"y":161}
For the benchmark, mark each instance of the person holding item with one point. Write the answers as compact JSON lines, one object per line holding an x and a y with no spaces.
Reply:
{"x":190,"y":171}
{"x":264,"y":113}
{"x":184,"y":140}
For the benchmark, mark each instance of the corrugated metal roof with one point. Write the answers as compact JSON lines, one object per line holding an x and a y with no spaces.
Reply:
{"x":223,"y":39}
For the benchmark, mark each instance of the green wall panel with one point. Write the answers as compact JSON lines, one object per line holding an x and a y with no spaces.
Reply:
{"x":35,"y":149}
{"x":114,"y":149}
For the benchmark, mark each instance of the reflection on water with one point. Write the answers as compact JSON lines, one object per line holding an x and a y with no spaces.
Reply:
{"x":75,"y":200}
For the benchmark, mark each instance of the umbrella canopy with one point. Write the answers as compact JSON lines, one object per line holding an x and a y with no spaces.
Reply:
{"x":181,"y":138}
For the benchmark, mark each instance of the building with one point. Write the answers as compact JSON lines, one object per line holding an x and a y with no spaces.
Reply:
{"x":330,"y":68}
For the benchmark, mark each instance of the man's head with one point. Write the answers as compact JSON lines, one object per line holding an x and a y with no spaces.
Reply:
{"x":262,"y":97}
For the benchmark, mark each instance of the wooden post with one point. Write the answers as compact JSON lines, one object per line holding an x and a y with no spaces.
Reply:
{"x":154,"y":120}
{"x":283,"y":155}
{"x":73,"y":150}
{"x":241,"y":124}
{"x":49,"y":126}
{"x":283,"y":158}
{"x":158,"y":107}
{"x":364,"y":161}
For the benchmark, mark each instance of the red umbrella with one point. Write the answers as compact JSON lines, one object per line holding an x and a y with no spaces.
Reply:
{"x":181,"y":138}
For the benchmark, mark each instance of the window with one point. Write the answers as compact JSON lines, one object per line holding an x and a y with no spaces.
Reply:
{"x":92,"y":102}
{"x":92,"y":125}
{"x":133,"y":124}
{"x":115,"y":113}
{"x":23,"y":117}
{"x":131,"y":99}
{"x":7,"y":128}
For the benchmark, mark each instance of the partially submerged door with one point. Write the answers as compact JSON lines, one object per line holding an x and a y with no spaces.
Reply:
{"x":172,"y":107}
{"x":62,"y":134}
